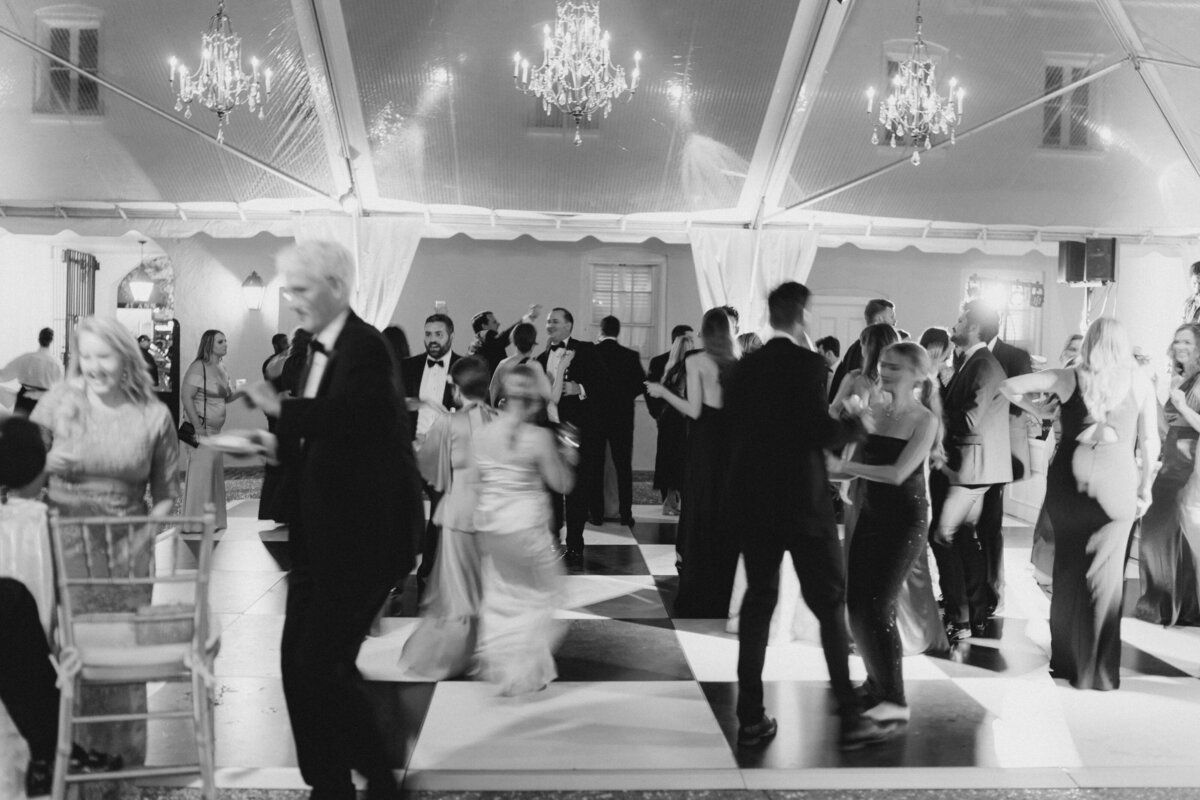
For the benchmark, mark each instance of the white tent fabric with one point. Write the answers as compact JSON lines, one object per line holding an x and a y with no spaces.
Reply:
{"x":384,"y":249}
{"x":740,"y":267}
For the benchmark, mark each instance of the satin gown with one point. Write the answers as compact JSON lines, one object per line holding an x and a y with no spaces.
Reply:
{"x":1091,"y":539}
{"x":206,"y":467}
{"x":706,"y":542}
{"x":890,"y":535}
{"x":522,"y":576}
{"x":1165,"y":559}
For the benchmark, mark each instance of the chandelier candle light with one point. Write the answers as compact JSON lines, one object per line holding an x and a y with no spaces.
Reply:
{"x":576,"y":75}
{"x":220,"y":85}
{"x":914,"y":111}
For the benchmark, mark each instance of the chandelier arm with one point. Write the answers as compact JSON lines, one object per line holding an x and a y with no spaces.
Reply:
{"x":115,"y":89}
{"x":825,"y":194}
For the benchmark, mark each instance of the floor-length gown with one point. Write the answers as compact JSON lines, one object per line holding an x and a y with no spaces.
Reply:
{"x":120,"y":452}
{"x":1169,"y":595}
{"x":706,"y":541}
{"x":522,"y":577}
{"x":1090,"y":543}
{"x":669,"y":459}
{"x":206,"y":467}
{"x":443,"y":644}
{"x":889,"y":537}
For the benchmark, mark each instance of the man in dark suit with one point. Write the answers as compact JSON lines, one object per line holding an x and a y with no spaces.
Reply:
{"x":429,"y":393}
{"x":578,"y":379}
{"x":492,"y":343}
{"x":657,"y":370}
{"x":877,"y":310}
{"x":1014,"y":361}
{"x":779,"y":423}
{"x":626,"y":380}
{"x":355,"y":503}
{"x":977,"y":457}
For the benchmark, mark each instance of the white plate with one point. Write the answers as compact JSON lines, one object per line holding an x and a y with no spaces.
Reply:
{"x":228,"y":443}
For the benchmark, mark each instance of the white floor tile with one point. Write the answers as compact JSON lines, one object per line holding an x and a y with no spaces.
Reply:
{"x":1027,"y":726}
{"x":660,"y":558}
{"x":654,"y":725}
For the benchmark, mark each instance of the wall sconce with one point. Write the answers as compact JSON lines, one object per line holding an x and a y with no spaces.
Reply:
{"x":1037,"y":295}
{"x":974,"y":285}
{"x":253,"y":290}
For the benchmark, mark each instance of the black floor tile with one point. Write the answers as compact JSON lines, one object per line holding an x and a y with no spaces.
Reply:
{"x":400,"y":710}
{"x":668,"y":587}
{"x":946,"y":729}
{"x":613,"y":559}
{"x":616,"y":650}
{"x":655,"y":532}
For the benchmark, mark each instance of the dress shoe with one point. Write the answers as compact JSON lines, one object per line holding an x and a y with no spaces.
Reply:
{"x":758,"y":733}
{"x":574,"y":558}
{"x":859,"y":732}
{"x":885,"y":712}
{"x":958,"y":631}
{"x":627,"y":522}
{"x":595,"y":520}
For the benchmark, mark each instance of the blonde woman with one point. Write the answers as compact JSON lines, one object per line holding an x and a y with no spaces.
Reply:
{"x":206,"y":387}
{"x":1095,"y":489}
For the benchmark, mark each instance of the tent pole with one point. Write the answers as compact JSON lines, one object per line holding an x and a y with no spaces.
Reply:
{"x":1037,"y":101}
{"x":112,"y":87}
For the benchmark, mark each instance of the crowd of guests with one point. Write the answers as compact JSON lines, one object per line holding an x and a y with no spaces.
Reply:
{"x":759,"y":444}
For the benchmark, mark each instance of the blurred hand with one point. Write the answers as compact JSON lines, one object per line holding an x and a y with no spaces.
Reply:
{"x":1178,"y":397}
{"x":59,"y":462}
{"x":162,"y":508}
{"x":1143,"y":502}
{"x":262,"y":395}
{"x":834,"y":465}
{"x":655,"y":389}
{"x":266,"y":443}
{"x":534,"y":312}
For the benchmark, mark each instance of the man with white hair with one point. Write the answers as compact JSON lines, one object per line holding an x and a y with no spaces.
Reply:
{"x":354,"y":499}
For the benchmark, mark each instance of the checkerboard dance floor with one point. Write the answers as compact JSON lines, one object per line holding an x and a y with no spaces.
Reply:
{"x":647,"y":702}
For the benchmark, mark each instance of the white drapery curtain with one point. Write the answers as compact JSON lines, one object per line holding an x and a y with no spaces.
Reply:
{"x":740,"y":267}
{"x":384,"y":249}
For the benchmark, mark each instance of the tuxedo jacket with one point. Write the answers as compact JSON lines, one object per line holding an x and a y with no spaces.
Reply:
{"x":976,"y":414}
{"x":626,"y":380}
{"x":587,"y":370}
{"x":779,"y":425}
{"x":1015,"y":361}
{"x":350,"y":478}
{"x":655,"y":374}
{"x":412,"y":370}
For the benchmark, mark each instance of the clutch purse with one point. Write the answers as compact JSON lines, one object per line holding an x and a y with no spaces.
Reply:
{"x":187,"y":434}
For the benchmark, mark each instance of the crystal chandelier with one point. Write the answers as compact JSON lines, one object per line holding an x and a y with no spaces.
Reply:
{"x":220,"y":85}
{"x":914,"y":111}
{"x":576,"y":75}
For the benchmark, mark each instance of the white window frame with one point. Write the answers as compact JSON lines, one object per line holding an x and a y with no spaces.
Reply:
{"x":1069,"y":62}
{"x":74,"y":18}
{"x":586,"y":327}
{"x":1036,"y":315}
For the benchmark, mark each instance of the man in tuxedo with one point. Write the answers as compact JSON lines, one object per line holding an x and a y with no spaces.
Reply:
{"x":430,"y":393}
{"x":657,"y":371}
{"x":626,"y":380}
{"x":877,"y":310}
{"x":355,"y":502}
{"x":578,"y":379}
{"x":490,"y":342}
{"x":1014,"y":361}
{"x":830,"y":349}
{"x":1191,"y":307}
{"x":780,"y":423}
{"x":978,"y":456}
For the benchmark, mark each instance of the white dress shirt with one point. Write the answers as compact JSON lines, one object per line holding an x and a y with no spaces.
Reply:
{"x":433,"y":389}
{"x":328,"y":337}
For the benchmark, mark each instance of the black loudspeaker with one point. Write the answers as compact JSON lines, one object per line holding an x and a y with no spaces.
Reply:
{"x":1092,"y":262}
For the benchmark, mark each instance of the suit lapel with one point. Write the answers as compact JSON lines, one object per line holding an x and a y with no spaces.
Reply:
{"x":351,"y":320}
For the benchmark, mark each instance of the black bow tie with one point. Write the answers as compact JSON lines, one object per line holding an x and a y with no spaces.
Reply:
{"x":431,"y":363}
{"x":315,"y":346}
{"x":558,"y":346}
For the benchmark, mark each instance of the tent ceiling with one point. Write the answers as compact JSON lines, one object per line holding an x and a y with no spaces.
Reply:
{"x":741,"y":118}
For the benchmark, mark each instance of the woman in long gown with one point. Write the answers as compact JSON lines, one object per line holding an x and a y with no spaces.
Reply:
{"x":206,"y":387}
{"x":284,"y":375}
{"x":1095,"y":489}
{"x":706,"y":545}
{"x":893,"y":521}
{"x":444,"y":642}
{"x":670,"y":457}
{"x":1168,"y":579}
{"x":109,"y":438}
{"x":517,"y":460}
{"x":917,"y":615}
